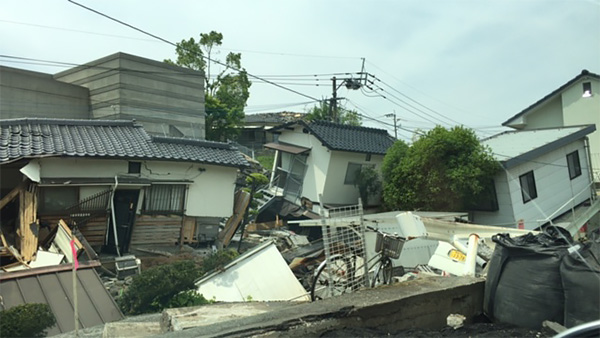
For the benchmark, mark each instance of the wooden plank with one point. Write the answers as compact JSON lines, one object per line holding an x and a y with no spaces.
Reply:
{"x":188,"y":230}
{"x":10,"y":196}
{"x":242,"y":199}
{"x":29,"y":228}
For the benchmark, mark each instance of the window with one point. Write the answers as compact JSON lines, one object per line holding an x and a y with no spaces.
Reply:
{"x":487,"y":199}
{"x":528,"y":189}
{"x":135,"y":168}
{"x":573,"y":163}
{"x":352,"y":172}
{"x":587,"y":89}
{"x":58,"y":199}
{"x":164,"y":198}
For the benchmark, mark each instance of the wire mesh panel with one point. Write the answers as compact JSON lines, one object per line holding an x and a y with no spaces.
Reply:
{"x":344,"y":241}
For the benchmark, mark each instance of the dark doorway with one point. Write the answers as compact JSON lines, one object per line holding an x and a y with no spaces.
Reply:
{"x":125,"y":202}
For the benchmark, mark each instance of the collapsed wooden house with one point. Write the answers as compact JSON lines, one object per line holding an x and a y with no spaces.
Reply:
{"x":117,"y":184}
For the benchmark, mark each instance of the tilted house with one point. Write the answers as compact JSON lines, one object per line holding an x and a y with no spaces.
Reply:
{"x":546,"y":172}
{"x":576,"y":102}
{"x":119,"y":185}
{"x":255,"y":132}
{"x":323,"y":158}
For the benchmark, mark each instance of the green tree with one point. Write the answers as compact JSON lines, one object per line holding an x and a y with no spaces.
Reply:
{"x":368,"y":183}
{"x":26,"y":320}
{"x":226,"y":94}
{"x":445,"y":170}
{"x":321,"y":112}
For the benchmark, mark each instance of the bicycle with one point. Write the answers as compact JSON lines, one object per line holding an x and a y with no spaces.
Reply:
{"x":343,"y":273}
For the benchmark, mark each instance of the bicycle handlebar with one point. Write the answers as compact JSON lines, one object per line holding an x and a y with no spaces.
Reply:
{"x":384,"y":233}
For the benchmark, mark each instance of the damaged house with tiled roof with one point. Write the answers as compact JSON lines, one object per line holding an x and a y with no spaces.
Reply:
{"x":122,"y":187}
{"x":316,"y":159}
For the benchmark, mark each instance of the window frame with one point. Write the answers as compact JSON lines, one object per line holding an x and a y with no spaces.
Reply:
{"x":153,"y":199}
{"x":574,"y":164}
{"x":134,"y":167}
{"x":531,"y":193}
{"x":352,"y":180}
{"x":43,"y":208}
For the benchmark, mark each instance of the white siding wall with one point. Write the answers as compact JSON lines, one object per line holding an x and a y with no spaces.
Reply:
{"x":210,"y":194}
{"x":551,"y":115}
{"x":505,"y":215}
{"x":578,"y":110}
{"x":554,"y":187}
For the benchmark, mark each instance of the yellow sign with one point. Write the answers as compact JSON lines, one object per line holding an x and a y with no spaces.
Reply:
{"x":457,"y":255}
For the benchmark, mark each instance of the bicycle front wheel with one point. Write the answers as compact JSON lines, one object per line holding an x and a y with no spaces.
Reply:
{"x":383,"y":272}
{"x":332,"y":278}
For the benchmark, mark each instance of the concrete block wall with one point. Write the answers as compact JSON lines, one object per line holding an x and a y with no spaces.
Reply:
{"x":165,"y":99}
{"x":26,"y":93}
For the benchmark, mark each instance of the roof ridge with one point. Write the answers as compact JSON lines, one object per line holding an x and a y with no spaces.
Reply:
{"x":70,"y":122}
{"x":347,"y":126}
{"x":193,"y":141}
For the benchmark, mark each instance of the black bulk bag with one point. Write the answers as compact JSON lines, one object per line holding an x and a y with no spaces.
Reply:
{"x":580,"y":275}
{"x":523,"y":285}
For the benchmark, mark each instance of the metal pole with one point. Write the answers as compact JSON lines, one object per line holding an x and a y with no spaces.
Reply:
{"x":395,"y":128}
{"x":333,"y":106}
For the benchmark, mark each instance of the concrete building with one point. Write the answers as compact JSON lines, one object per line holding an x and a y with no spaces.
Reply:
{"x":576,"y":102}
{"x":167,"y":100}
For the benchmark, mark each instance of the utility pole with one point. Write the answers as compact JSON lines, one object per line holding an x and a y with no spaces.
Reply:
{"x":395,"y":127}
{"x":350,"y":83}
{"x":333,"y":105}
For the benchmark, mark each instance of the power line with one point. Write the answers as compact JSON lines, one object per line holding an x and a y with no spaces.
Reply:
{"x":417,"y":102}
{"x":203,"y":56}
{"x":76,"y":31}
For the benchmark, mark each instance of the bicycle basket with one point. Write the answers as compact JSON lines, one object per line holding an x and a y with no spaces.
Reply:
{"x":392,"y":246}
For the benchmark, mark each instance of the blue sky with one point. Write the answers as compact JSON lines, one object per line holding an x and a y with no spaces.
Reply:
{"x":437,"y":62}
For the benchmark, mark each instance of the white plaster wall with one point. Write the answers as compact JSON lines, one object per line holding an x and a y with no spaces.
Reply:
{"x":317,"y":161}
{"x":336,"y":192}
{"x":326,"y":169}
{"x":211,"y":193}
{"x":554,"y":187}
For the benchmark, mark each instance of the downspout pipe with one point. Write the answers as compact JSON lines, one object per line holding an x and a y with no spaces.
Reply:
{"x":471,"y":259}
{"x":456,"y":241}
{"x":113,"y":215}
{"x":588,"y":154}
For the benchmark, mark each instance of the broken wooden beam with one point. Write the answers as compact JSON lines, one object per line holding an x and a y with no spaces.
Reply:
{"x":10,"y":196}
{"x":29,"y":227}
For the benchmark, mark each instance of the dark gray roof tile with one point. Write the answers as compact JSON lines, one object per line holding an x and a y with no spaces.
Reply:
{"x":28,"y":138}
{"x":342,"y":137}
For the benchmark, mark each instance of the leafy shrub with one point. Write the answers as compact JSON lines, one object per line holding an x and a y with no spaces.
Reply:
{"x":218,"y":260}
{"x":27,"y":320}
{"x":368,"y":183}
{"x":153,"y":289}
{"x":266,"y":161}
{"x":188,"y":298}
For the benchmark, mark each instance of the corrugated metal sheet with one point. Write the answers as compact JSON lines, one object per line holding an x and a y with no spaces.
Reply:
{"x":54,"y":286}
